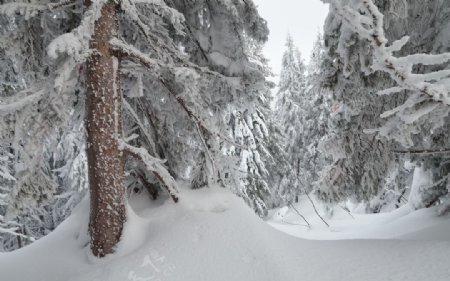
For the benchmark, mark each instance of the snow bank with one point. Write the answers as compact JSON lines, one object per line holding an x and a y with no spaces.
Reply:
{"x":211,"y":235}
{"x":405,"y":223}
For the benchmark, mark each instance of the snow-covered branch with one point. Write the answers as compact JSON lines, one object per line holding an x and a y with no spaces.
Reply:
{"x":364,"y":18}
{"x":196,"y":119}
{"x":150,"y":140}
{"x":175,"y":18}
{"x":154,"y":165}
{"x":29,"y":10}
{"x":156,"y":66}
{"x":11,"y":227}
{"x":133,"y":53}
{"x":4,"y":169}
{"x":17,"y":102}
{"x":423,"y":152}
{"x":76,"y":43}
{"x":13,"y":231}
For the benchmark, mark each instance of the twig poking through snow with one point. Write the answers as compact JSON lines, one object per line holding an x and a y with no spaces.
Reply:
{"x":347,"y":211}
{"x":315,"y":210}
{"x":292,"y":206}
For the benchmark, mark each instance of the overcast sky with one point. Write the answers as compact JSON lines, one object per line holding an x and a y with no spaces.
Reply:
{"x":301,"y":18}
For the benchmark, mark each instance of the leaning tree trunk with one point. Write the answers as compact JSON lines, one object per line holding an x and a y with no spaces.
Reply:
{"x":103,"y":123}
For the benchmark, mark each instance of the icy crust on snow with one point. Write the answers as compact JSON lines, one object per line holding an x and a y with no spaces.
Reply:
{"x":212,"y":235}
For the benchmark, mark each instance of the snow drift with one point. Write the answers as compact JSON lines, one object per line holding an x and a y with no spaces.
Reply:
{"x":211,"y":235}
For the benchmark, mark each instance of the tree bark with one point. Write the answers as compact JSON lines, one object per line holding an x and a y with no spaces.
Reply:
{"x":103,"y":124}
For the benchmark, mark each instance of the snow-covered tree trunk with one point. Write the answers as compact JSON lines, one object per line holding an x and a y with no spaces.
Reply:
{"x":103,"y":123}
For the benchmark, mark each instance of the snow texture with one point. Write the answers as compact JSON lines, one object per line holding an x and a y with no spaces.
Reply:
{"x":212,"y":235}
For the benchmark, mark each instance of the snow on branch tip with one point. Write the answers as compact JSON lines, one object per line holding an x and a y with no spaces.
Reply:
{"x":364,"y":18}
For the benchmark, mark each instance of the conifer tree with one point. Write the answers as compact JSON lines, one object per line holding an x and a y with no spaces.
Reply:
{"x":289,"y":115}
{"x":315,"y":106}
{"x":412,"y":82}
{"x":162,"y":62}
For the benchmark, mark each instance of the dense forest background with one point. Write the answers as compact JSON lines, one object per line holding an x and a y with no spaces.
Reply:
{"x":179,"y":91}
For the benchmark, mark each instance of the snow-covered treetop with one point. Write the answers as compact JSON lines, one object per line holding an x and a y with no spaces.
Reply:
{"x":316,"y":58}
{"x":293,"y":68}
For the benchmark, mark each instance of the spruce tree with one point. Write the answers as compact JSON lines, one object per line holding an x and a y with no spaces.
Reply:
{"x":290,"y":112}
{"x":410,"y":77}
{"x":315,"y":106}
{"x":163,"y":63}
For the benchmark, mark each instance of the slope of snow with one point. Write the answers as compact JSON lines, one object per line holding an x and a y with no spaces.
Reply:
{"x":211,"y":235}
{"x":403,"y":223}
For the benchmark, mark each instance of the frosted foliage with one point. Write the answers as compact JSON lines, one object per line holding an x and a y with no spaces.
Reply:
{"x":251,"y":179}
{"x":395,"y":192}
{"x":153,"y":165}
{"x":189,"y":65}
{"x":315,"y":106}
{"x":211,"y":72}
{"x":301,"y":113}
{"x":27,"y":10}
{"x":357,"y":162}
{"x":292,"y":74}
{"x":5,"y":170}
{"x":428,"y":88}
{"x":411,"y":110}
{"x":292,"y":86}
{"x":317,"y":57}
{"x":38,"y":96}
{"x":76,"y":43}
{"x":31,"y":191}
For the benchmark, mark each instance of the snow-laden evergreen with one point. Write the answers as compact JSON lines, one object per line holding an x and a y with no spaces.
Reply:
{"x":315,"y":106}
{"x":302,"y":110}
{"x":126,"y":126}
{"x":372,"y":133}
{"x":185,"y":68}
{"x":289,"y":114}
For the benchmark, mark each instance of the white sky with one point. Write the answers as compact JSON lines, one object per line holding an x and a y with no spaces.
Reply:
{"x":301,"y":18}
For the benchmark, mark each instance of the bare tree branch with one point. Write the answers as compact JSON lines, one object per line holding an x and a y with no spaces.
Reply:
{"x":298,"y":213}
{"x":315,"y":210}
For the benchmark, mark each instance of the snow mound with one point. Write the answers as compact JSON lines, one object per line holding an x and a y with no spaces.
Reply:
{"x":405,"y":223}
{"x":211,"y":235}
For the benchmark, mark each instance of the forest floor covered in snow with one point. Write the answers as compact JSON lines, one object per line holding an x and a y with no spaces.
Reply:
{"x":404,"y":223}
{"x":212,"y":235}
